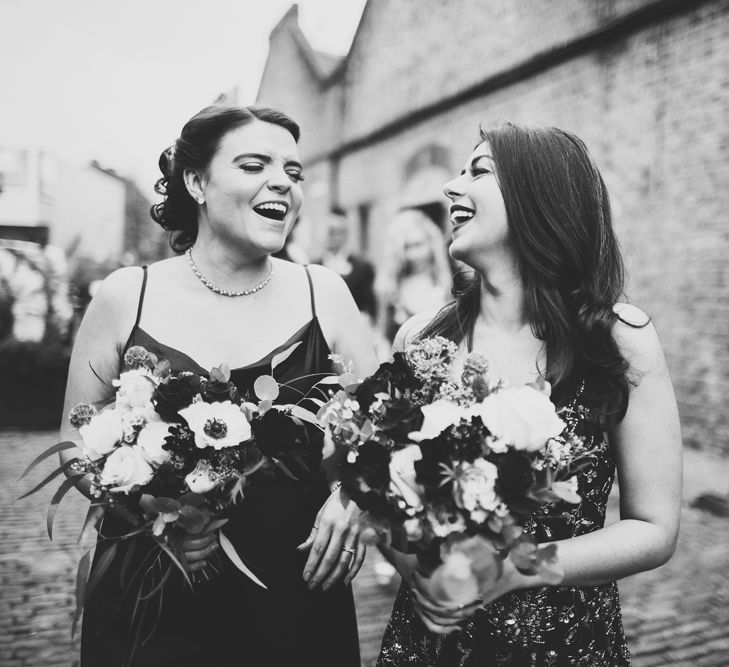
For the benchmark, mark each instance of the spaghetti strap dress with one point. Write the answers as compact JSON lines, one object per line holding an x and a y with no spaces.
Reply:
{"x":229,"y":620}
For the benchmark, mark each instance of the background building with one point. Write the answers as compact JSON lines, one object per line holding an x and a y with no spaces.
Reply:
{"x":644,"y":82}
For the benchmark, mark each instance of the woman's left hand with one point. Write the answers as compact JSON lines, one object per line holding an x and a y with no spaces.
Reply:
{"x":335,"y":548}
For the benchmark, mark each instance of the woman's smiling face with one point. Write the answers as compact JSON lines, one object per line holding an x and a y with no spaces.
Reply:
{"x":477,"y":212}
{"x":252,"y":187}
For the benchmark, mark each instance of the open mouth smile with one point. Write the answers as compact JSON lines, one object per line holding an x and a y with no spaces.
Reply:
{"x":460,"y":215}
{"x":273,"y":210}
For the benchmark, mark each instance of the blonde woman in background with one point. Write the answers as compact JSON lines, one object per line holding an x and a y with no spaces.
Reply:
{"x":415,"y":275}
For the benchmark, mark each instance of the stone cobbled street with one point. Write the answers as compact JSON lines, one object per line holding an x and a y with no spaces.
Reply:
{"x":675,"y":615}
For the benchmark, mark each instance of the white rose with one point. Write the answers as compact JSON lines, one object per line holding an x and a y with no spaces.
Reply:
{"x":150,"y":440}
{"x":402,"y":475}
{"x":522,"y":416}
{"x":135,"y":388}
{"x":200,"y":480}
{"x":475,"y":488}
{"x":102,"y":434}
{"x":217,"y":425}
{"x":439,"y":415}
{"x":126,"y":468}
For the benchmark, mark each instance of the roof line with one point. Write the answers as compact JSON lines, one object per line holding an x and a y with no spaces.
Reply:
{"x":610,"y":32}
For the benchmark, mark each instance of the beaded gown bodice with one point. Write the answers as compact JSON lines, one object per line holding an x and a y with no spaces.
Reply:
{"x":537,"y":626}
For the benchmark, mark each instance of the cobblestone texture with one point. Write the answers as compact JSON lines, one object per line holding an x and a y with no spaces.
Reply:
{"x":675,"y":615}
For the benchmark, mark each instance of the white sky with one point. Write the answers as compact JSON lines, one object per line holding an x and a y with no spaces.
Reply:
{"x":116,"y":80}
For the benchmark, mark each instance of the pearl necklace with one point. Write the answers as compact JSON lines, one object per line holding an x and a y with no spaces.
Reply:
{"x":224,"y":292}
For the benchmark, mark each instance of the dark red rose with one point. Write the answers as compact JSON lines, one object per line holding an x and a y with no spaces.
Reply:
{"x":217,"y":391}
{"x":395,"y":374}
{"x":516,"y":475}
{"x":174,"y":394}
{"x":372,"y":466}
{"x":277,"y":434}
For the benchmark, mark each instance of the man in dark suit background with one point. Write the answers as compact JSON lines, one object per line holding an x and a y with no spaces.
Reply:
{"x":356,"y":271}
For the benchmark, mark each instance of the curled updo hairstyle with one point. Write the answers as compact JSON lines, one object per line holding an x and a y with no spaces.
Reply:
{"x":560,"y":228}
{"x":194,"y":149}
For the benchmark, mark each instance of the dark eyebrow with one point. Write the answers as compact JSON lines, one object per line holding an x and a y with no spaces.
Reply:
{"x":267,"y":159}
{"x":480,"y":157}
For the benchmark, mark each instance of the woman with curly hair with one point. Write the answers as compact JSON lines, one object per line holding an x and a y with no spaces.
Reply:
{"x":232,"y":190}
{"x":531,"y":217}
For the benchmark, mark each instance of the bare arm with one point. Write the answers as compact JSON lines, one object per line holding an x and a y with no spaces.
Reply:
{"x":647,"y":446}
{"x":340,"y":321}
{"x":95,"y":360}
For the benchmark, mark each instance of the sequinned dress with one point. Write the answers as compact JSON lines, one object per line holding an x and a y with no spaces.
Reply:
{"x":229,"y":621}
{"x":537,"y":626}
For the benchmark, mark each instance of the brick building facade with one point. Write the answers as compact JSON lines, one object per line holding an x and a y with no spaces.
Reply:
{"x":644,"y":82}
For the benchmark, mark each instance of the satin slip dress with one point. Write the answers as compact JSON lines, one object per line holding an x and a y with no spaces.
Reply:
{"x":230,"y":621}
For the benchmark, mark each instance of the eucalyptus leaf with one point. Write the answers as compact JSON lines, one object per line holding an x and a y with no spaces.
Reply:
{"x":67,"y":485}
{"x":102,"y":565}
{"x":231,"y":553}
{"x":329,"y":379}
{"x":220,"y":373}
{"x":266,"y":388}
{"x":49,"y":478}
{"x":55,"y":449}
{"x":82,"y":576}
{"x":93,"y":517}
{"x":304,"y":415}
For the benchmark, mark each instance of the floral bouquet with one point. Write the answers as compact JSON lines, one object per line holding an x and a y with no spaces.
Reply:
{"x":452,"y":469}
{"x":172,"y":453}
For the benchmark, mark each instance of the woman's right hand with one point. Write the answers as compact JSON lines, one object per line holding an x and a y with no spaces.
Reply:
{"x":198,"y":547}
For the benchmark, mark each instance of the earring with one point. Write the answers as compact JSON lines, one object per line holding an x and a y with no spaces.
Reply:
{"x":201,"y":200}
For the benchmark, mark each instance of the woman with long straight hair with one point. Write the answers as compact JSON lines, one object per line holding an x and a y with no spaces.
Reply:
{"x":531,"y":218}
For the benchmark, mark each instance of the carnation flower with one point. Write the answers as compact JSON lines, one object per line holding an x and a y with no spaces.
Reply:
{"x":474,"y":488}
{"x":135,"y":388}
{"x":81,"y":414}
{"x":217,"y":425}
{"x":201,"y":479}
{"x":438,"y":416}
{"x":151,"y":440}
{"x":138,"y":357}
{"x":102,"y":434}
{"x":402,"y":476}
{"x":124,"y":469}
{"x":522,"y":416}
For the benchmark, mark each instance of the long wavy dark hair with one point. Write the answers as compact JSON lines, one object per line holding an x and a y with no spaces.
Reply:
{"x":569,"y":261}
{"x":194,"y":149}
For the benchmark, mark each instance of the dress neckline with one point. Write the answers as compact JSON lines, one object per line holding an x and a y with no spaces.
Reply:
{"x":262,"y":362}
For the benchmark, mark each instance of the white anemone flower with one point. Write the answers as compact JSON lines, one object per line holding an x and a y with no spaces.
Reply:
{"x":217,"y":425}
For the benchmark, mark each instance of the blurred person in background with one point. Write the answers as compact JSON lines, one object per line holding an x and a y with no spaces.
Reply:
{"x":292,"y":251}
{"x":355,"y":270}
{"x":232,"y":190}
{"x":415,"y":275}
{"x":531,"y":217}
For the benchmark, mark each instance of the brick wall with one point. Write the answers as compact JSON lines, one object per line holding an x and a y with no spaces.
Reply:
{"x":652,"y":105}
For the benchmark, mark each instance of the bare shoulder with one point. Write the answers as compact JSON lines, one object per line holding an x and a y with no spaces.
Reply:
{"x":120,"y":287}
{"x":329,"y":286}
{"x":411,"y":328}
{"x":637,"y":338}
